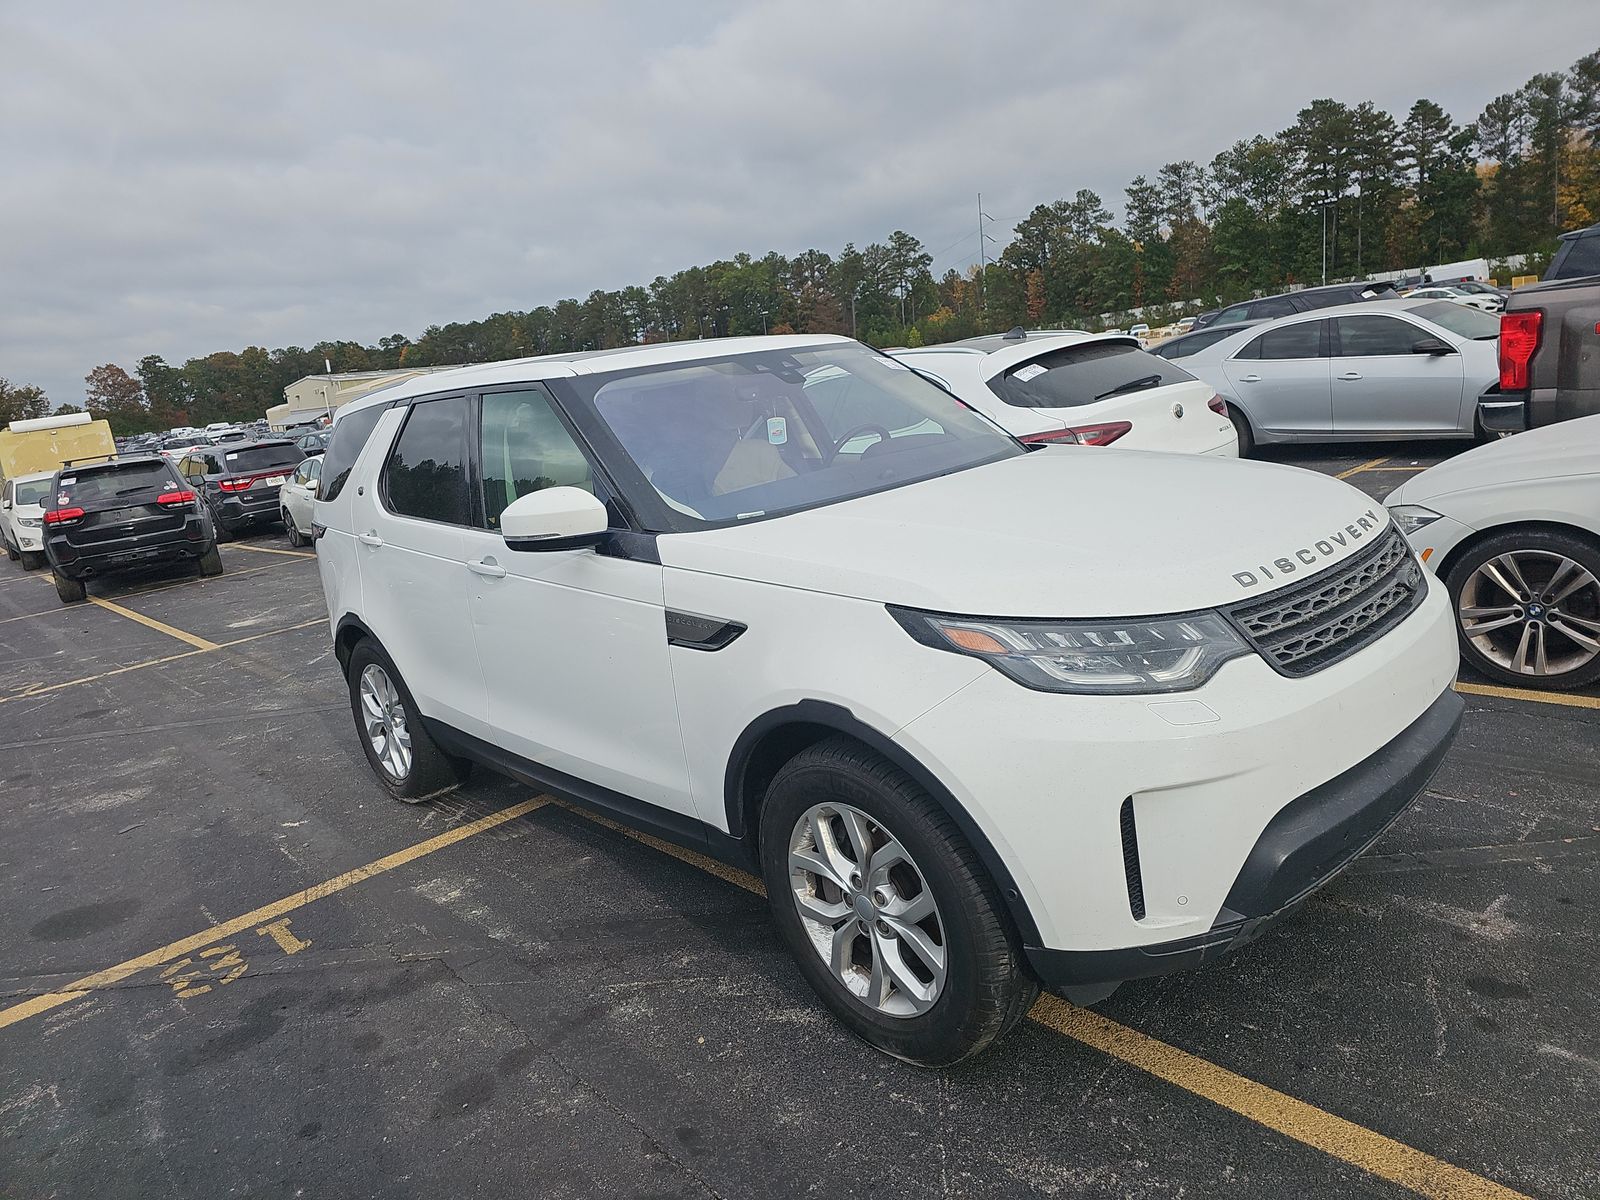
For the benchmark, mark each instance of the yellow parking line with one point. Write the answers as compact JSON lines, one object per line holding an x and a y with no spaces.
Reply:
{"x":145,"y":591}
{"x":1397,"y":468}
{"x":35,"y":1005}
{"x":1305,"y":1123}
{"x":270,"y":550}
{"x":155,"y":662}
{"x":1510,"y":693}
{"x":1366,"y":466}
{"x":199,"y":643}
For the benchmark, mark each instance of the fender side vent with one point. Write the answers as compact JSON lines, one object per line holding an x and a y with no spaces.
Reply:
{"x":1130,"y":861}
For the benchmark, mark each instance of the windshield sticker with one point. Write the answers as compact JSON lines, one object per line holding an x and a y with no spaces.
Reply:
{"x":892,"y":364}
{"x":1031,"y":371}
{"x":69,"y":481}
{"x":231,"y":457}
{"x":777,"y":430}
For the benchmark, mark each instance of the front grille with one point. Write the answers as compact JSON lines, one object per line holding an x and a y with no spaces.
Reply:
{"x":1130,"y":861}
{"x":1312,"y":625}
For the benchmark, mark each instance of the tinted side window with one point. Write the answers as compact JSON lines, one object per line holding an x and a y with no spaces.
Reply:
{"x":1083,"y":374}
{"x":350,"y":436}
{"x":526,"y":448}
{"x":1360,"y":337}
{"x":1582,"y":258}
{"x":1239,"y":312}
{"x":426,"y":475}
{"x":1193,"y":343}
{"x":1270,"y":310}
{"x":1301,"y":340}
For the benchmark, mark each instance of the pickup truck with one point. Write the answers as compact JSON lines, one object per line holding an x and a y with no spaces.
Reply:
{"x":1549,"y":356}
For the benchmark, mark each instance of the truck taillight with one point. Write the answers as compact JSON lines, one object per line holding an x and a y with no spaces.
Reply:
{"x":63,"y":516}
{"x":1519,"y":339}
{"x":183,"y":499}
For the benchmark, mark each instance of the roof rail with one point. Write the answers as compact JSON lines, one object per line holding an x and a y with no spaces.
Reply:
{"x":72,"y":462}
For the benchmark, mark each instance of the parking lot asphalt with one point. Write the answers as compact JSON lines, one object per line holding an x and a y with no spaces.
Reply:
{"x":234,"y":967}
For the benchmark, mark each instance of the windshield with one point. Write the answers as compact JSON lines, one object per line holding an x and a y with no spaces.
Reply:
{"x":33,"y":491}
{"x":752,"y":435}
{"x":1460,"y":319}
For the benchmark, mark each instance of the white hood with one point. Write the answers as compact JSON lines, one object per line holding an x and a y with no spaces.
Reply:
{"x":1062,"y":532}
{"x":1557,"y":451}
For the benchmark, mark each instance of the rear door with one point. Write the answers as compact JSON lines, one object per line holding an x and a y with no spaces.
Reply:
{"x":119,"y":510}
{"x":1281,"y":378}
{"x":1381,"y":384}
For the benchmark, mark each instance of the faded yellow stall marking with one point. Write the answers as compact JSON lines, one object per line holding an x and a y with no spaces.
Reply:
{"x":270,"y":550}
{"x":1305,"y":1123}
{"x":1565,"y":699}
{"x":263,"y":916}
{"x":189,"y":639}
{"x":1366,"y":466}
{"x":155,"y":662}
{"x":278,"y":931}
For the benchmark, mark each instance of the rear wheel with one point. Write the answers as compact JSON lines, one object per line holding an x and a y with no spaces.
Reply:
{"x":1241,"y":427}
{"x":223,"y":533}
{"x":71,"y":591}
{"x":296,"y":538}
{"x":407,"y":761}
{"x":886,"y":908}
{"x":211,"y":562}
{"x":1527,"y":605}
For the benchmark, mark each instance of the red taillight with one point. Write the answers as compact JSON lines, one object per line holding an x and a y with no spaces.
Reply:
{"x":1080,"y":435}
{"x":63,"y":516}
{"x":176,"y":499}
{"x":1218,"y":405}
{"x":1519,"y":338}
{"x":236,"y":485}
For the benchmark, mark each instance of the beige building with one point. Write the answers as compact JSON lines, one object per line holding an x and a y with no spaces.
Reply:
{"x":315,"y":396}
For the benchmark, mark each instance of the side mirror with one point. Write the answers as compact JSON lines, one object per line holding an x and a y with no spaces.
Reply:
{"x":1431,"y":345}
{"x":558,"y":518}
{"x":312,"y":485}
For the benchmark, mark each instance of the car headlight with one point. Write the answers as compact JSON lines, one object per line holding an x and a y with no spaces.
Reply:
{"x":1141,"y":656}
{"x":30,"y":522}
{"x":1412,"y":517}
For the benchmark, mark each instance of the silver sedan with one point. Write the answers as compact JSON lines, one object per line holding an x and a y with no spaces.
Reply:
{"x":1385,"y":369}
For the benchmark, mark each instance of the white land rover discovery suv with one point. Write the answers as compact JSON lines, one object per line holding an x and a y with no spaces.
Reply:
{"x":983,"y":718}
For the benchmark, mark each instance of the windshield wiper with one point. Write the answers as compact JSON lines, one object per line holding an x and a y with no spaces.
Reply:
{"x":1133,"y":385}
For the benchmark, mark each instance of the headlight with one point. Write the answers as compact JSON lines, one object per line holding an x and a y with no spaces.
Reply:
{"x":1412,"y":517}
{"x":30,"y":522}
{"x":1098,"y":657}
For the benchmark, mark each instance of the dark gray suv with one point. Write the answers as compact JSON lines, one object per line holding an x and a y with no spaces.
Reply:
{"x":239,"y":481}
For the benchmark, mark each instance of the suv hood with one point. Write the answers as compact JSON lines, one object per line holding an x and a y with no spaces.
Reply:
{"x":1566,"y":448}
{"x":1061,"y":532}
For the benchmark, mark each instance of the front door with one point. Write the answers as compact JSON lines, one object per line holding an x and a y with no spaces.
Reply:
{"x":572,"y":643}
{"x":1382,"y":385}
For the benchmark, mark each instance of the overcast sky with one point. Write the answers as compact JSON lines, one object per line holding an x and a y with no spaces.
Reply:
{"x":183,"y":178}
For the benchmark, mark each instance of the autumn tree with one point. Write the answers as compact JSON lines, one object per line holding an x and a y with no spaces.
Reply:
{"x":21,"y":402}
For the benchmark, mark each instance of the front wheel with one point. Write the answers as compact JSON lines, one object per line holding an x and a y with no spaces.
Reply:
{"x":32,"y":560}
{"x":407,"y":761}
{"x":12,"y":552}
{"x":1527,"y":605}
{"x":71,"y":591}
{"x":886,"y":908}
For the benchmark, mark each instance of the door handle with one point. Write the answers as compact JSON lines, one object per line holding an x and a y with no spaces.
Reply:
{"x":369,"y":539}
{"x":488,"y":568}
{"x":1250,"y":379}
{"x":1351,"y":375}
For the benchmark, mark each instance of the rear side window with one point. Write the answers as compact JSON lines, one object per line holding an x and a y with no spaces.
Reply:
{"x":426,"y":475}
{"x":1301,"y":340}
{"x":125,"y":483}
{"x":350,"y":436}
{"x":1582,"y":258}
{"x":1278,"y":306}
{"x":1082,"y":374}
{"x":262,"y":458}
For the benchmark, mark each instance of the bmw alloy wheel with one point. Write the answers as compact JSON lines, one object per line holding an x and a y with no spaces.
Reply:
{"x":383,"y":717}
{"x":867,"y":910}
{"x":1534,"y":612}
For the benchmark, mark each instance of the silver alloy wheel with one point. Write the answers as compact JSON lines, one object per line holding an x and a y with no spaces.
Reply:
{"x":383,"y":715}
{"x":867,"y":909}
{"x":1534,"y":612}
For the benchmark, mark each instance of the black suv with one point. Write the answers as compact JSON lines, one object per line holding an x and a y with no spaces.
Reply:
{"x":1578,"y":256}
{"x":239,"y":481}
{"x":129,"y":512}
{"x":1270,"y":308}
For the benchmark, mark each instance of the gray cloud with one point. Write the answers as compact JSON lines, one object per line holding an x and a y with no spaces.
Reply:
{"x":184,"y":178}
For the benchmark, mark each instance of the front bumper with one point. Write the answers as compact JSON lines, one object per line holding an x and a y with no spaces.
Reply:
{"x":1311,"y":840}
{"x":31,"y":540}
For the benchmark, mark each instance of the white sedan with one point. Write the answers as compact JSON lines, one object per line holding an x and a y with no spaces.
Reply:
{"x":1079,"y":388}
{"x":295,"y":498}
{"x":1485,"y":301}
{"x":1513,"y":528}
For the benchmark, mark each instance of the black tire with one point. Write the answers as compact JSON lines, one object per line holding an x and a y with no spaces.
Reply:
{"x":296,"y":538}
{"x":987,"y":987}
{"x":1241,"y":426}
{"x":431,"y":769}
{"x":12,"y":552}
{"x":32,"y":560}
{"x":211,"y":563}
{"x":1585,"y":603}
{"x":222,"y":532}
{"x":71,"y":591}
